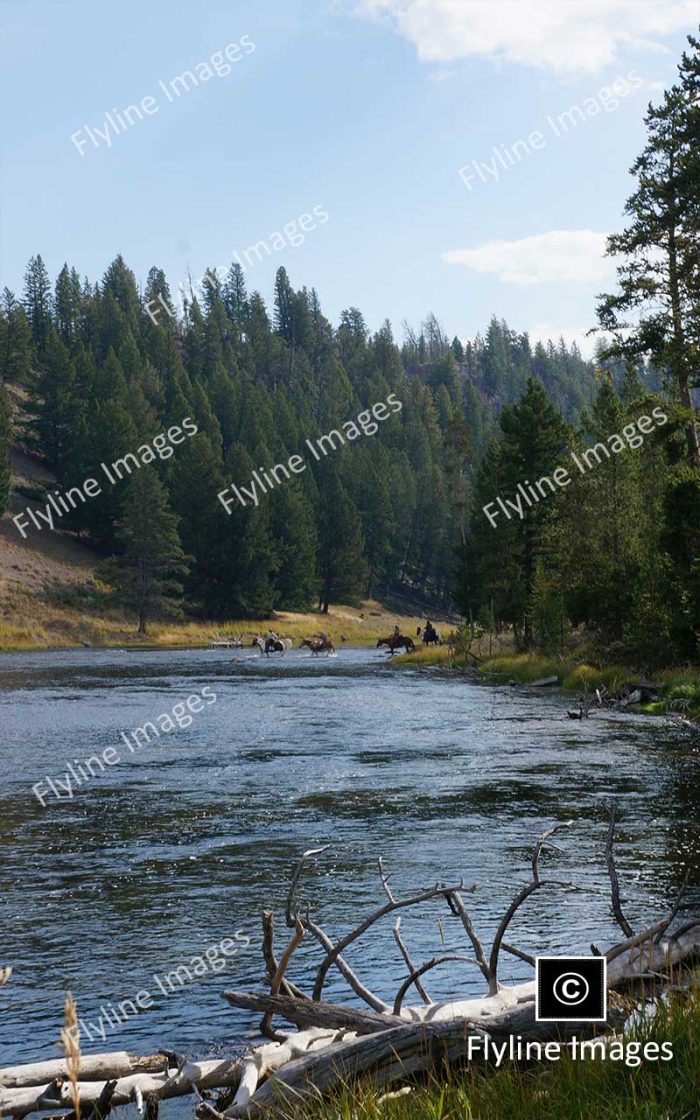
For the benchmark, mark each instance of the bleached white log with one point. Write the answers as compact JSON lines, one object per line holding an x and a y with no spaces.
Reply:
{"x":206,"y":1075}
{"x":93,"y":1067}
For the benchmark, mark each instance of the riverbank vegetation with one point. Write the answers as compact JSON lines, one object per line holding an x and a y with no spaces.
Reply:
{"x":679,"y":688}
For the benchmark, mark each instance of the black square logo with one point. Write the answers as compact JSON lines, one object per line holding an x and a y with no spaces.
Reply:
{"x":571,"y":988}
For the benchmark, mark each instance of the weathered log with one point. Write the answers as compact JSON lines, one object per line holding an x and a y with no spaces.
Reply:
{"x":393,"y":1054}
{"x":311,"y":1013}
{"x":544,"y":682}
{"x":173,"y":1083}
{"x":93,"y":1067}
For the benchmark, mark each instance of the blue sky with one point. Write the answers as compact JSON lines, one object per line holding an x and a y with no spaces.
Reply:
{"x":366,"y":109}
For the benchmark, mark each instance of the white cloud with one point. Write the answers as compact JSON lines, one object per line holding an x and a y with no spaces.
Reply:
{"x":567,"y":36}
{"x":562,"y":255}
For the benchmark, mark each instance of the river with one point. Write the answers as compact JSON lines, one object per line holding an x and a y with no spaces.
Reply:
{"x":182,"y":843}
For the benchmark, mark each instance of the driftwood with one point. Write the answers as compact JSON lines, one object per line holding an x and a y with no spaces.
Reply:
{"x":386,"y":1041}
{"x":173,"y":1082}
{"x":336,"y":1044}
{"x":93,"y":1067}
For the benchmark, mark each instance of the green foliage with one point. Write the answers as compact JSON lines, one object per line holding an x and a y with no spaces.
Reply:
{"x":147,"y":576}
{"x":654,"y":312}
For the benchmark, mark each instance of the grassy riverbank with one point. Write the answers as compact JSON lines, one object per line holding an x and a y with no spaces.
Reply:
{"x":587,"y":1089}
{"x":679,"y":684}
{"x":77,"y":616}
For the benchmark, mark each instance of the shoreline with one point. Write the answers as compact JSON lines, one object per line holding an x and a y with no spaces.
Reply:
{"x":677,"y":684}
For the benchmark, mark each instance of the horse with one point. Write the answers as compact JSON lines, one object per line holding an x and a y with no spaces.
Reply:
{"x":272,"y":645}
{"x":323,"y":646}
{"x":429,"y":637}
{"x":396,"y":641}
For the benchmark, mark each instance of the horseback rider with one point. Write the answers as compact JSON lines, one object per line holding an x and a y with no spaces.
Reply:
{"x":430,"y":633}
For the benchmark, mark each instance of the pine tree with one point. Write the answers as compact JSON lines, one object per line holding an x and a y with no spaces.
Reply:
{"x":534,"y":442}
{"x":37,"y":302}
{"x":294,"y":536}
{"x":52,"y":406}
{"x":656,"y":312}
{"x":247,"y":548}
{"x":67,"y":304}
{"x":148,"y":575}
{"x":604,"y":525}
{"x":341,"y":563}
{"x":15,"y":341}
{"x":235,"y":297}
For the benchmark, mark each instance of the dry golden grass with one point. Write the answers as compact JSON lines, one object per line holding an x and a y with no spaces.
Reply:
{"x":30,"y":620}
{"x":70,"y":1041}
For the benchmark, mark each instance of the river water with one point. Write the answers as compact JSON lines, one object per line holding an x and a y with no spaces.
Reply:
{"x":182,"y":843}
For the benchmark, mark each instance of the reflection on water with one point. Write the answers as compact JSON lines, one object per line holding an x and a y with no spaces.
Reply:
{"x":184,"y":843}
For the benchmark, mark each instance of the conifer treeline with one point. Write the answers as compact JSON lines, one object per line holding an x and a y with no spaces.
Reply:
{"x":100,"y":377}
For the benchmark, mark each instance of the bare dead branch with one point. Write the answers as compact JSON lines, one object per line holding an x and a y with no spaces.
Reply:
{"x":271,"y":963}
{"x":540,"y":845}
{"x":507,"y":919}
{"x":344,"y":968}
{"x":515,"y":952}
{"x":677,"y":904}
{"x":276,"y":983}
{"x":637,"y":939}
{"x":311,"y":1013}
{"x":684,"y":929}
{"x":420,"y":971}
{"x":614,"y":881}
{"x":461,"y":910}
{"x":385,"y":880}
{"x":519,"y":899}
{"x":411,"y":967}
{"x":290,"y":915}
{"x":440,"y":890}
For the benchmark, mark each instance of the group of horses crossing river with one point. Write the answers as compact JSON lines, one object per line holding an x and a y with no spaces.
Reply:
{"x":320,"y":643}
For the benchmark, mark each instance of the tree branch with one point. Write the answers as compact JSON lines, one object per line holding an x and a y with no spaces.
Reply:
{"x":614,"y":881}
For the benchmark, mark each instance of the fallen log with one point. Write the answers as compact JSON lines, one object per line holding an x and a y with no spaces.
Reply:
{"x":93,"y":1067}
{"x":310,"y":1013}
{"x":175,"y":1082}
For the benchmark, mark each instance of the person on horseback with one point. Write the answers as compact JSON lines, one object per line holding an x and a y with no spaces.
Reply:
{"x":430,"y":633}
